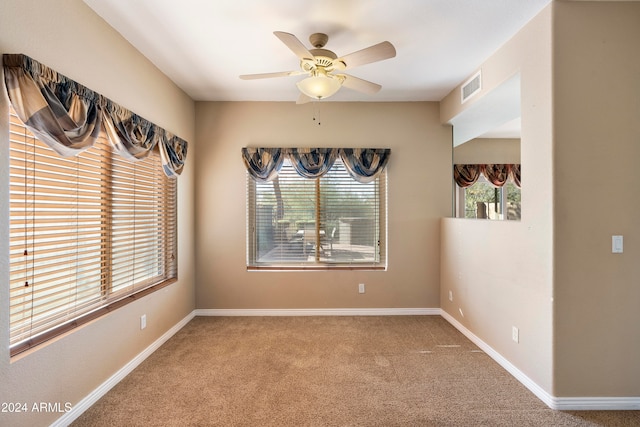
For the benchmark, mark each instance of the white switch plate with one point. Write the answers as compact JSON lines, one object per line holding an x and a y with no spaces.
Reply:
{"x":617,"y":244}
{"x":361,"y":288}
{"x":143,"y":321}
{"x":515,"y":334}
{"x":450,"y":295}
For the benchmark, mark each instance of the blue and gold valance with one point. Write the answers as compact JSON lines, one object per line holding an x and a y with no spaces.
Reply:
{"x":312,"y":162}
{"x":363,"y":164}
{"x":69,"y":117}
{"x":263,"y":164}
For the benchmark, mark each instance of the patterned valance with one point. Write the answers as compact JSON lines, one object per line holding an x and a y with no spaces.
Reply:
{"x":363,"y":164}
{"x":497,"y":174}
{"x":312,"y":162}
{"x":69,"y":117}
{"x":263,"y":164}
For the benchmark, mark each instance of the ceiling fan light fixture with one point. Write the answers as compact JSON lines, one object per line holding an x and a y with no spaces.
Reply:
{"x":324,"y":67}
{"x":319,"y":85}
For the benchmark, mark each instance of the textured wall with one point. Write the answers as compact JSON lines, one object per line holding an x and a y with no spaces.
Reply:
{"x":574,"y":301}
{"x":419,"y":193}
{"x":488,"y":150}
{"x":67,"y":36}
{"x":500,"y":272}
{"x":596,"y":152}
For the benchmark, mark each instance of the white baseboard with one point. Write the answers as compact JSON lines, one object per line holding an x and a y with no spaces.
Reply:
{"x":96,"y":394}
{"x":508,"y":366}
{"x":557,"y":403}
{"x":596,"y":403}
{"x":320,"y":312}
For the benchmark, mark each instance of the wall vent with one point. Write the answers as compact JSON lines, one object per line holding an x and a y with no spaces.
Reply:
{"x":471,"y":86}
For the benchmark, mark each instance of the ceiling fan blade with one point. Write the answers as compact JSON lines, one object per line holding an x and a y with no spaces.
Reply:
{"x":294,"y":44}
{"x":270,"y":75}
{"x":303,"y":99}
{"x":360,"y":85}
{"x":378,"y":52}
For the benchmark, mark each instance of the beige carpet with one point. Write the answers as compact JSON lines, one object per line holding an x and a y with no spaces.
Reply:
{"x":327,"y":371}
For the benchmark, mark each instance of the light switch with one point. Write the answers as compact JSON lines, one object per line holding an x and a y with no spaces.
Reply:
{"x":616,"y":244}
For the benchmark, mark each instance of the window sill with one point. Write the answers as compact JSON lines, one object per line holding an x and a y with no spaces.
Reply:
{"x":318,"y":268}
{"x":34,"y":342}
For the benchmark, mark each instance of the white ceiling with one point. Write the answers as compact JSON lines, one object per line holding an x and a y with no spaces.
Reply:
{"x":204,"y":45}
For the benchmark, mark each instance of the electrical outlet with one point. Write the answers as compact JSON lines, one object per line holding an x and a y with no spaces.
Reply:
{"x":361,"y":288}
{"x":143,"y":321}
{"x":515,"y":334}
{"x":450,"y":295}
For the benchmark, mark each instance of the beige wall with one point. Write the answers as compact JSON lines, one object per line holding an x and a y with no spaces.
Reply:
{"x":67,"y":36}
{"x":419,"y":187}
{"x":488,"y":150}
{"x":500,"y":272}
{"x":574,"y":301}
{"x":596,"y":152}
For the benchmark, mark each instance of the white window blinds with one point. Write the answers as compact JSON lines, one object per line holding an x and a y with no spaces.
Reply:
{"x":328,"y":222}
{"x":85,"y":232}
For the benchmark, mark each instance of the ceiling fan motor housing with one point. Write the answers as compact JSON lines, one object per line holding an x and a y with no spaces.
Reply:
{"x":323,"y":57}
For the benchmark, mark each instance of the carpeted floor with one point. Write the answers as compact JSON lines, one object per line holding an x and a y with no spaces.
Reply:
{"x":327,"y":371}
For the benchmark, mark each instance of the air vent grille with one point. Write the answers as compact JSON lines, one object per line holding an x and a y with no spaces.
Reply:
{"x":471,"y":87}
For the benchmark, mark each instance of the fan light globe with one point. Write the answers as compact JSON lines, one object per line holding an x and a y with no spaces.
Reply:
{"x":319,"y":86}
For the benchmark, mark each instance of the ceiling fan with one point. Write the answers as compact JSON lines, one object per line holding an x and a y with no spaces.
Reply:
{"x":324,"y":67}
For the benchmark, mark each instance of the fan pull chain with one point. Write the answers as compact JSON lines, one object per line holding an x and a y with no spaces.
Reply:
{"x":316,"y":113}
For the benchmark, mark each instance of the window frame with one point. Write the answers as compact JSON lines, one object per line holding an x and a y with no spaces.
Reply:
{"x":503,"y":190}
{"x":382,"y":223}
{"x":108,"y":301}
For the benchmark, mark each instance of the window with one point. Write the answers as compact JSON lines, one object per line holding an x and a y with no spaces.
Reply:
{"x":483,"y":200}
{"x":328,"y":222}
{"x":87,"y":233}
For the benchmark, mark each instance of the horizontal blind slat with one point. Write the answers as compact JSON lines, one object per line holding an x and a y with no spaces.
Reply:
{"x":287,"y":228}
{"x":77,"y":219}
